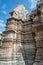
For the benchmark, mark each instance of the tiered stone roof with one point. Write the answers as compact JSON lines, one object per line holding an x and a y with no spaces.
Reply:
{"x":20,"y":13}
{"x":25,"y":45}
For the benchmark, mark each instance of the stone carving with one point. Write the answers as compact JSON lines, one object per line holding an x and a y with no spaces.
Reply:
{"x":23,"y":41}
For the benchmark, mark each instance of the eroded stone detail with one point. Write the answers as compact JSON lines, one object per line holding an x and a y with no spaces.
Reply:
{"x":23,"y":40}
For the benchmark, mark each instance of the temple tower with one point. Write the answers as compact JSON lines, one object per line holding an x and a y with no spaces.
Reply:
{"x":23,"y":37}
{"x":11,"y":51}
{"x":38,"y":29}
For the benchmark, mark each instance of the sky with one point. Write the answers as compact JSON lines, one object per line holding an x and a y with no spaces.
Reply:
{"x":7,"y":6}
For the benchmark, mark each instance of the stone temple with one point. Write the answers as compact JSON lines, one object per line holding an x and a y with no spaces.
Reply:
{"x":23,"y":38}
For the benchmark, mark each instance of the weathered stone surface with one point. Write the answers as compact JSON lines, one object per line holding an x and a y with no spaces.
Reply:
{"x":23,"y":41}
{"x":20,"y":13}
